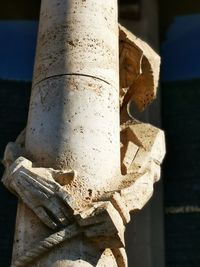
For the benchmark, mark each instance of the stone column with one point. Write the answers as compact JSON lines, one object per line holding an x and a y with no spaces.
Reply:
{"x":78,"y":172}
{"x":73,"y":120}
{"x":74,"y":111}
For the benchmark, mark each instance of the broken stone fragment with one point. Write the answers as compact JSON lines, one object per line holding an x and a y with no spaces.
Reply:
{"x":139,"y":70}
{"x":150,"y":142}
{"x":151,"y":138}
{"x":103,"y":224}
{"x":141,"y":166}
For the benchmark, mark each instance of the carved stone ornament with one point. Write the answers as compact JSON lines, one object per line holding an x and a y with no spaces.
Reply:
{"x":105,"y":215}
{"x":67,"y":200}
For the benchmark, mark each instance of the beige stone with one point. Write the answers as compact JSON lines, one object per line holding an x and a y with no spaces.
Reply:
{"x":75,"y":195}
{"x":127,"y":154}
{"x":139,"y":72}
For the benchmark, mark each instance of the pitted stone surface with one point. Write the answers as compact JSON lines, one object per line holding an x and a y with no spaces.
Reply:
{"x":75,"y":188}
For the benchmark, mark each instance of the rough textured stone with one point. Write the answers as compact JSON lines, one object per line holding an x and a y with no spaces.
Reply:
{"x":75,"y":194}
{"x":139,"y":72}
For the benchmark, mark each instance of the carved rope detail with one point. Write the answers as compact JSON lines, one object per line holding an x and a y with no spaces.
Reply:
{"x":103,"y":220}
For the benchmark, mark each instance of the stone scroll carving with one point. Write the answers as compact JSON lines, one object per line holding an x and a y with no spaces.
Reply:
{"x":103,"y":215}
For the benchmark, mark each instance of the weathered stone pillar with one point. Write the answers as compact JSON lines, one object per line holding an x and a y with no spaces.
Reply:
{"x":76,"y":180}
{"x":73,"y":118}
{"x":74,"y":111}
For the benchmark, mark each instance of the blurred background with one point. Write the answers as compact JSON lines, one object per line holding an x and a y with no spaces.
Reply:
{"x":167,"y":231}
